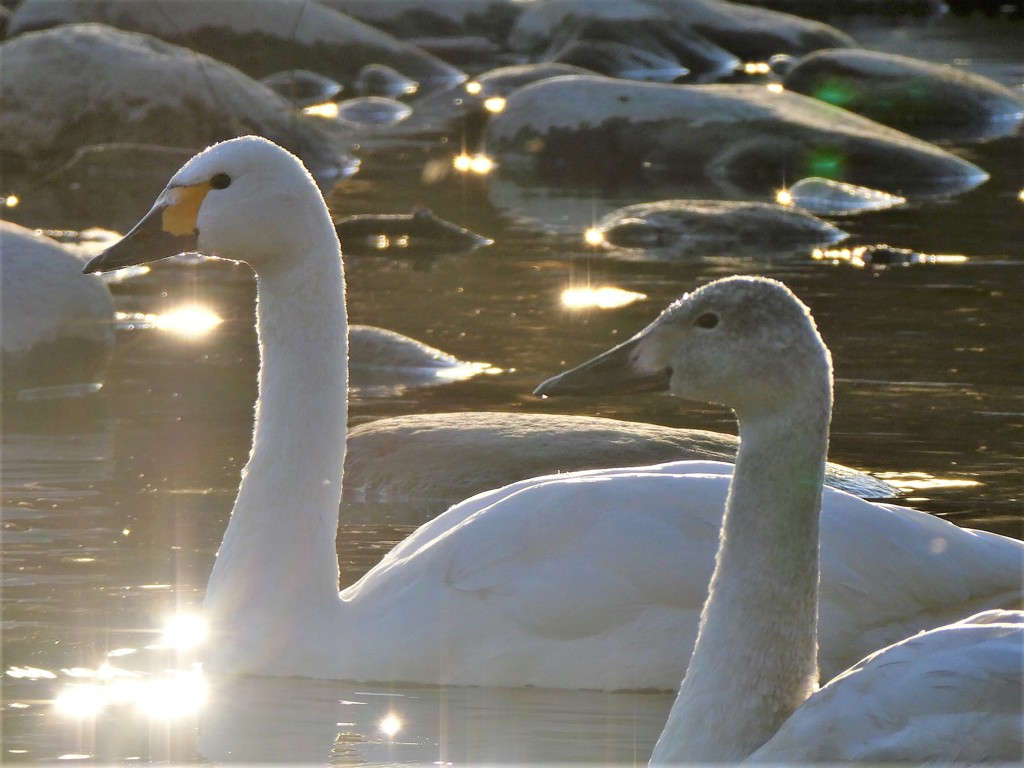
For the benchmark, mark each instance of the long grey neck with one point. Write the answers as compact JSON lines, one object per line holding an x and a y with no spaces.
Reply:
{"x":755,"y":660}
{"x":278,"y":556}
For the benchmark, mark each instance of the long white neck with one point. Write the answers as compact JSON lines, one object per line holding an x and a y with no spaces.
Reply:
{"x":755,"y":660}
{"x":277,"y":568}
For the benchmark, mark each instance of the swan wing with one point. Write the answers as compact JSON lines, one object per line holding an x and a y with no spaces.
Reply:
{"x":567,"y":557}
{"x":458,"y":513}
{"x":888,"y":572}
{"x":574,"y":558}
{"x":949,"y":695}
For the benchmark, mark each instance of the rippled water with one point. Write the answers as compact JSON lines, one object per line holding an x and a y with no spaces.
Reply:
{"x":113,"y":506}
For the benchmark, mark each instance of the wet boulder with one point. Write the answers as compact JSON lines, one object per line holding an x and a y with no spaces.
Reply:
{"x":419,"y":233}
{"x":882,"y":256}
{"x":259,"y":37}
{"x":488,"y":19}
{"x":303,"y":88}
{"x":824,"y":197}
{"x":672,"y":229}
{"x":118,"y":87}
{"x":56,"y":324}
{"x":936,"y":102}
{"x":608,"y":57}
{"x":586,"y":41}
{"x":500,"y":82}
{"x":583,"y":130}
{"x":751,"y":34}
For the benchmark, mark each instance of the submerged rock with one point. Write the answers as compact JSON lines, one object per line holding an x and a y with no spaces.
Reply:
{"x":419,"y":233}
{"x":594,"y":130}
{"x":824,"y":197}
{"x":121,"y":87}
{"x":502,"y":81}
{"x":684,"y":228}
{"x":303,"y":88}
{"x":371,"y":112}
{"x":936,"y":102}
{"x":614,"y":59}
{"x":882,"y":256}
{"x":56,"y":324}
{"x":257,"y":36}
{"x":381,"y":80}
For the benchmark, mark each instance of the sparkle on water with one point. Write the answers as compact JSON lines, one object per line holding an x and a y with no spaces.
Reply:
{"x":328,"y":110}
{"x":479,"y":164}
{"x":390,"y":725}
{"x":494,"y":104}
{"x":189,"y":321}
{"x":921,"y":481}
{"x":602,"y":297}
{"x":184,"y":630}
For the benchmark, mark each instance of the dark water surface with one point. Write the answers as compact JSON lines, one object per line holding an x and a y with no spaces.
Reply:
{"x":113,"y":507}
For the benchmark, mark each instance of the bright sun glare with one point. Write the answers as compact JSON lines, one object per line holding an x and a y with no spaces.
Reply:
{"x":390,"y":725}
{"x":189,"y":321}
{"x":481,"y":165}
{"x":183,"y":631}
{"x":604,"y":297}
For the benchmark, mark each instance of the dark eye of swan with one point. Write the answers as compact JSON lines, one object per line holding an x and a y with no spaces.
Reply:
{"x":706,"y":320}
{"x":220,"y":181}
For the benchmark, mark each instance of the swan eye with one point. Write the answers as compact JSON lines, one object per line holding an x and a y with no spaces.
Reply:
{"x":706,"y":320}
{"x":220,"y":181}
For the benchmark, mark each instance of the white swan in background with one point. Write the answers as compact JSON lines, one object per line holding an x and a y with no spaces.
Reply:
{"x":56,"y":324}
{"x":563,"y":583}
{"x":384,"y":363}
{"x":411,"y":467}
{"x":951,"y":695}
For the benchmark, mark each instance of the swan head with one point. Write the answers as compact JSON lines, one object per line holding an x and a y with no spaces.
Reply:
{"x":244,"y":199}
{"x":744,"y":342}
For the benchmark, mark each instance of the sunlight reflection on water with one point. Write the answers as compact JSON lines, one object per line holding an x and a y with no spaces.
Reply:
{"x":602,"y":297}
{"x":187,"y":321}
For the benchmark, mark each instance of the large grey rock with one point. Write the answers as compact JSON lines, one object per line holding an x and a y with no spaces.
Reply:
{"x":594,"y":130}
{"x":936,"y":102}
{"x":672,"y":229}
{"x":122,"y":87}
{"x":492,"y":19}
{"x":259,"y":37}
{"x":752,"y":34}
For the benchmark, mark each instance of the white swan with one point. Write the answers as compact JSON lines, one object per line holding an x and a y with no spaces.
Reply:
{"x":561,"y":584}
{"x":950,"y":695}
{"x":56,"y":324}
{"x":414,"y":466}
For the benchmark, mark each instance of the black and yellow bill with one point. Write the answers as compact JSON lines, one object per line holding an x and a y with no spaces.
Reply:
{"x":167,"y":230}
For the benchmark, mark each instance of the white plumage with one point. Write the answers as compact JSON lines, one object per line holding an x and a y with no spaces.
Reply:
{"x":584,"y":581}
{"x":950,"y":695}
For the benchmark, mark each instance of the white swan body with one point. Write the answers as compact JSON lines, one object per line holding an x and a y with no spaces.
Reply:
{"x":410,"y":468}
{"x":383,"y":363}
{"x":56,"y":324}
{"x":560,"y":583}
{"x":949,"y":695}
